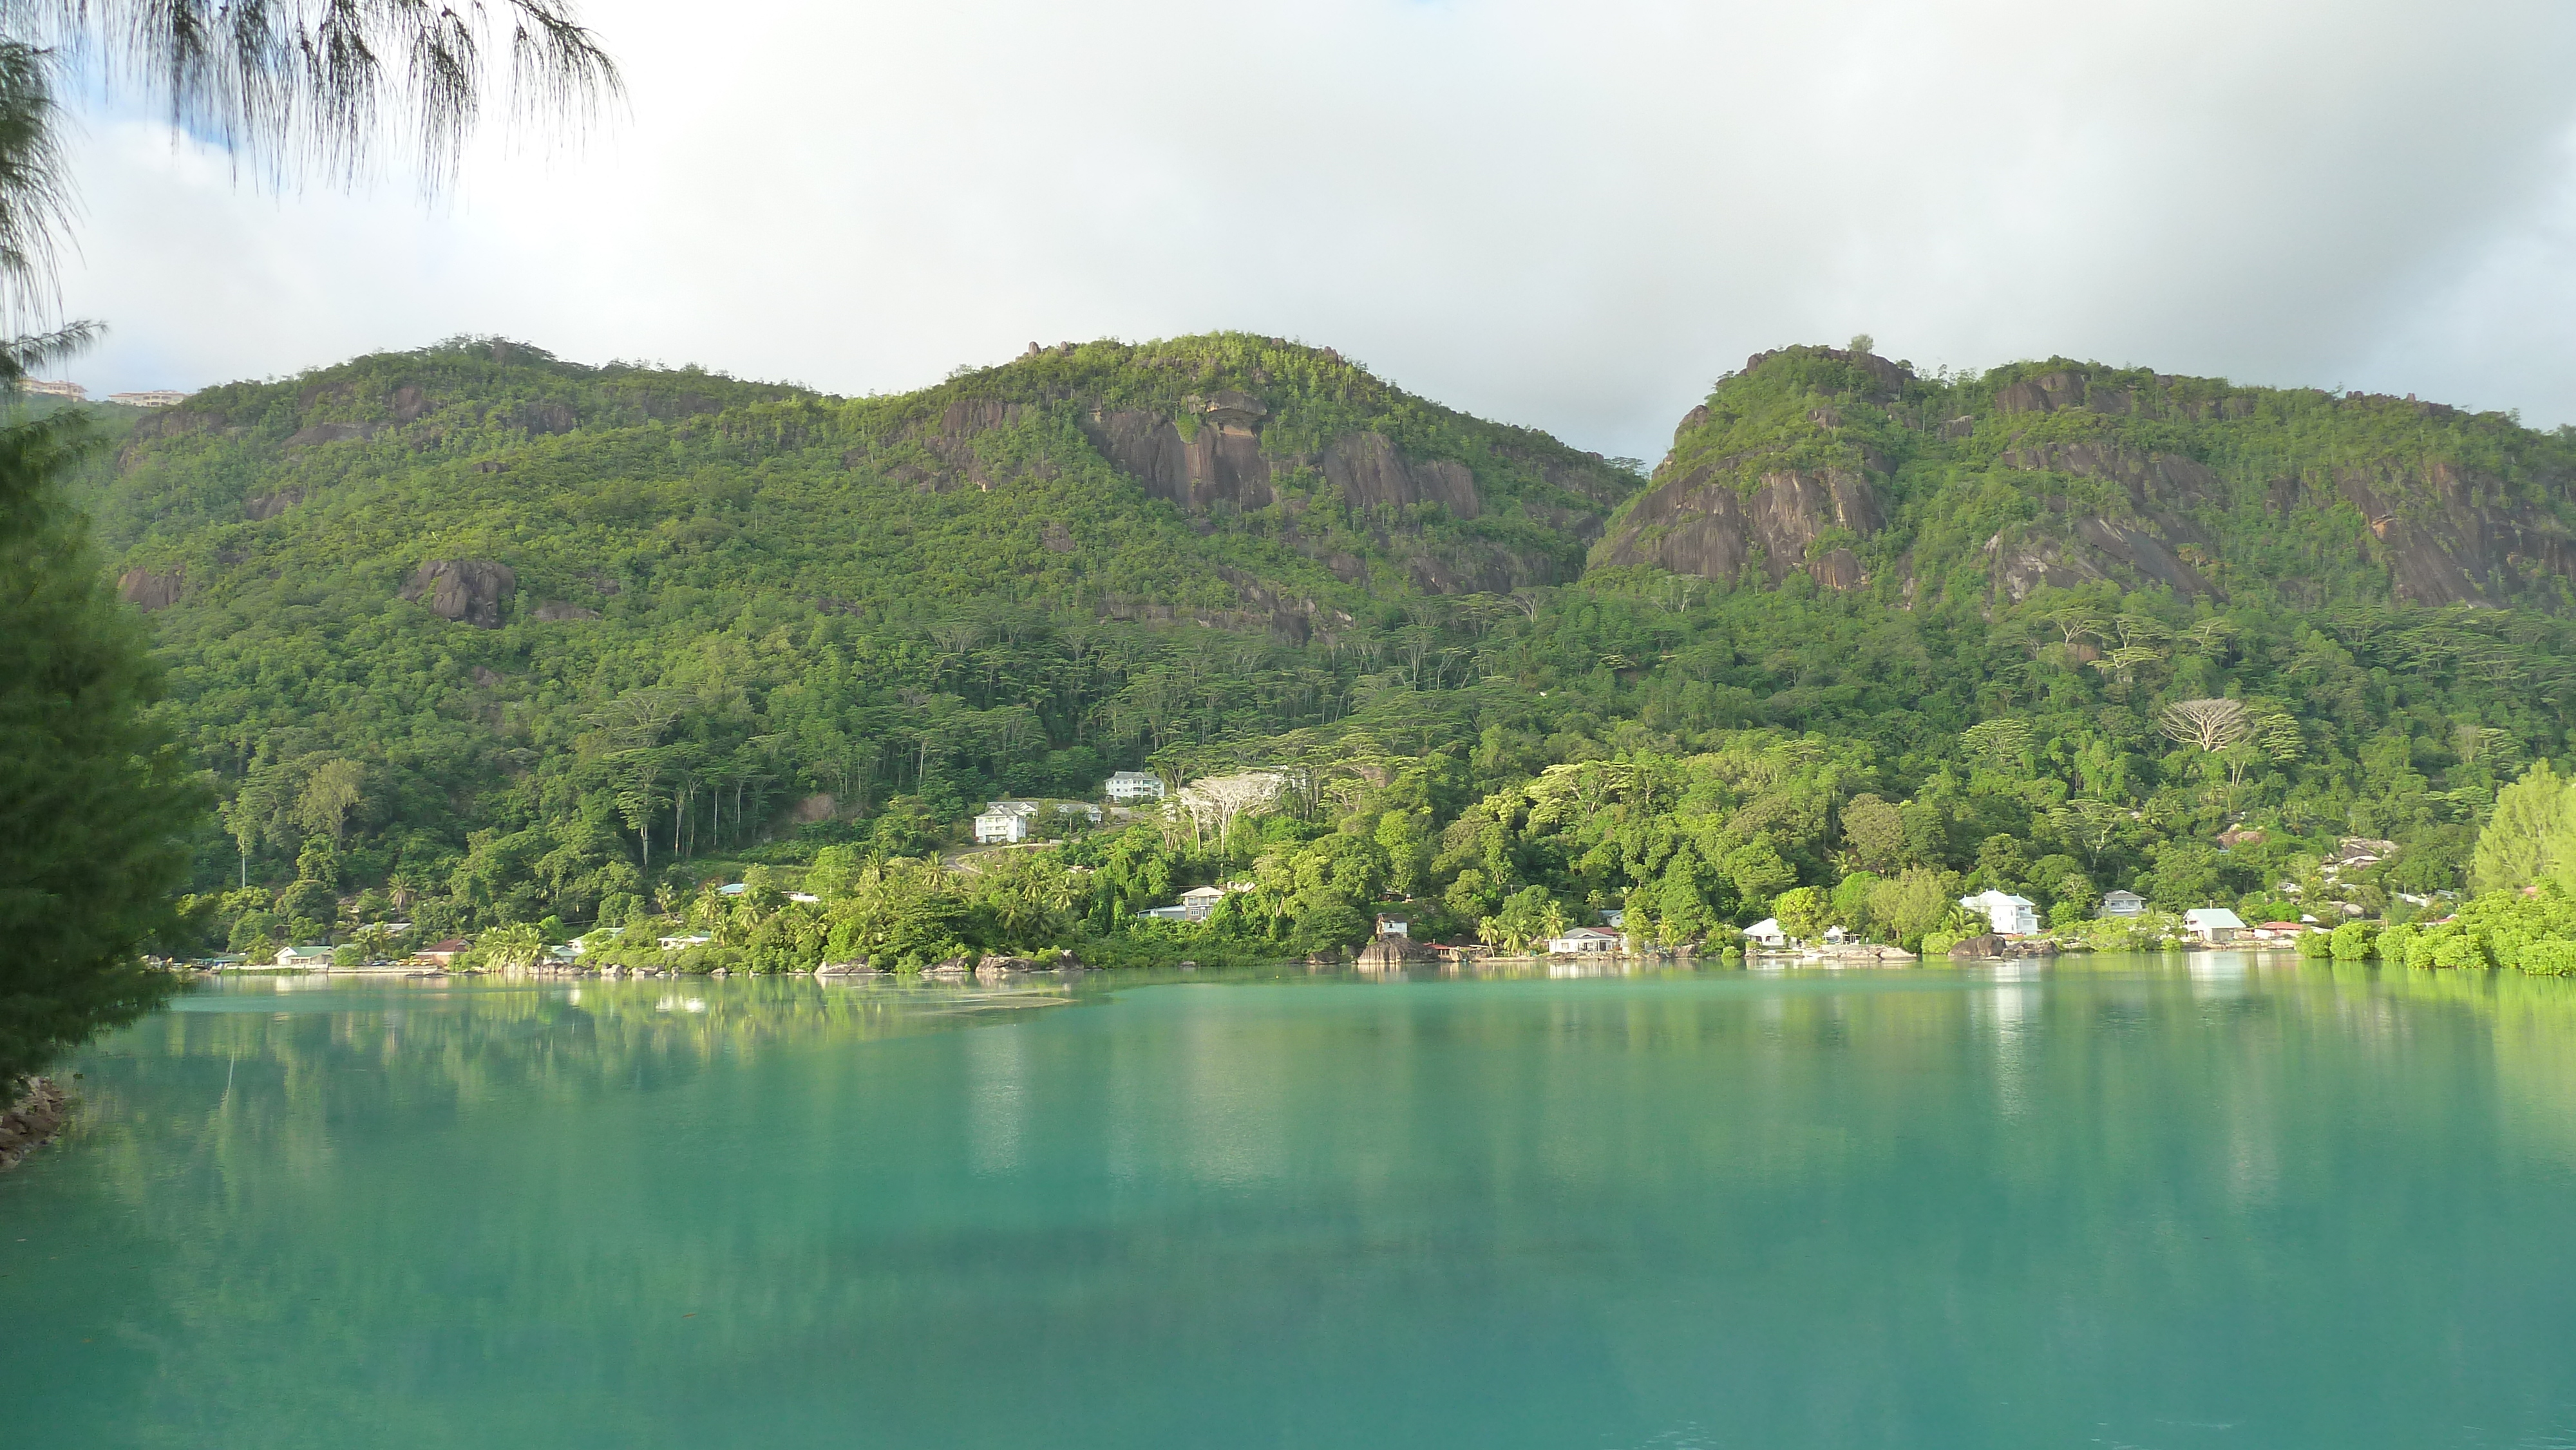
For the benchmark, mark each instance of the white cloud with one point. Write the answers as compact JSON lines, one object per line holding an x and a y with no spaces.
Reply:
{"x":1568,"y":216}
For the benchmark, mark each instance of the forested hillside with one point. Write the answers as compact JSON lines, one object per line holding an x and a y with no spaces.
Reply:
{"x":2062,"y":474}
{"x":483,"y":637}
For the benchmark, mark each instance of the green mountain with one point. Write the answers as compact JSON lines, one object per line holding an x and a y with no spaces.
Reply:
{"x":2060,"y":474}
{"x":448,"y":564}
{"x":1232,"y":480}
{"x":480,"y":636}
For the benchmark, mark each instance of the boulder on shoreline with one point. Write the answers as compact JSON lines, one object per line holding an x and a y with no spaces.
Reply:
{"x":32,"y":1121}
{"x":995,"y":968}
{"x":1390,"y":951}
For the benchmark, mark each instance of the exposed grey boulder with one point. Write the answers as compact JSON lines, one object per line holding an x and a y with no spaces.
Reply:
{"x":469,"y":590}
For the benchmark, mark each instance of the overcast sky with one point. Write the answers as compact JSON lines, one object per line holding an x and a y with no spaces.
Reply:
{"x":1572,"y":216}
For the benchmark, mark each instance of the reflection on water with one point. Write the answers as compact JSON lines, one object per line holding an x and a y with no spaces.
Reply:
{"x":2216,"y":1199}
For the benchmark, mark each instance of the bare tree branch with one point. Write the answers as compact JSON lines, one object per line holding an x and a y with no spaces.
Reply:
{"x":2210,"y":725}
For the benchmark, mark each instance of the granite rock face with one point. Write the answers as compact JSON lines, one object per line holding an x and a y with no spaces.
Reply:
{"x":1702,"y":523}
{"x":1220,"y":461}
{"x":148,"y":590}
{"x":269,"y":505}
{"x":470,"y":591}
{"x":1371,"y":474}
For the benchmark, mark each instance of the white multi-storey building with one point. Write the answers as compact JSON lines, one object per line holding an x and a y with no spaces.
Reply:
{"x":1134,"y":785}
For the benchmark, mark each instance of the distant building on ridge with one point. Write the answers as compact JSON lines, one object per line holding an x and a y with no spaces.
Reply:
{"x":1135,"y":785}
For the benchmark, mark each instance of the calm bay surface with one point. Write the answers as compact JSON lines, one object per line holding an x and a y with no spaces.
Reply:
{"x":2157,"y":1202}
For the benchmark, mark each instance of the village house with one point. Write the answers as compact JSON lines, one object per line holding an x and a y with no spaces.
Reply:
{"x":1583,"y":939}
{"x":306,"y":956}
{"x":1004,"y":823}
{"x":1767,"y":934}
{"x":1128,"y":786}
{"x":2116,"y":902}
{"x":2008,"y":914}
{"x":1084,"y":809}
{"x":2215,"y":925}
{"x":1394,"y":926}
{"x":1199,"y":902}
{"x":443,"y":953}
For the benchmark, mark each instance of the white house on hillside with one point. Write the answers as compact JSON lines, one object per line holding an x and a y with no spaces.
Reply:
{"x":1767,"y":933}
{"x":1134,"y":785}
{"x":2116,"y":902}
{"x":1001,"y":828}
{"x":1200,"y":901}
{"x":2010,"y":915}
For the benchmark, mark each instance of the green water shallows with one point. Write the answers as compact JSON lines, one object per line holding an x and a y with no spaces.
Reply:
{"x":2155,"y":1203}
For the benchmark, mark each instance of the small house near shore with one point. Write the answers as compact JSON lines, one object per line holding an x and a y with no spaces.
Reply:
{"x":1767,"y":933}
{"x":1583,"y":939}
{"x":2116,"y":902}
{"x":443,"y":952}
{"x":2215,"y":925}
{"x":2010,"y":915}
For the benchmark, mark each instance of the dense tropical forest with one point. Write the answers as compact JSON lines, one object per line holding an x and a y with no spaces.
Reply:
{"x":477,"y":640}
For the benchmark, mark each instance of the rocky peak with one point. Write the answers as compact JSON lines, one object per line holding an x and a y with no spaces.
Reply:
{"x":1887,"y":379}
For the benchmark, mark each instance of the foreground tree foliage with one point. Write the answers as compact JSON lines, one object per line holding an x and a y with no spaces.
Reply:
{"x":93,"y":797}
{"x":99,"y":798}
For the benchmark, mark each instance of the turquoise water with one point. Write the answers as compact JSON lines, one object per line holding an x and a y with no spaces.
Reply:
{"x":2145,"y":1202}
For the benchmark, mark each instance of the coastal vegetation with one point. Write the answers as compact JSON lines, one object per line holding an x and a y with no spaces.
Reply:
{"x":474,"y":640}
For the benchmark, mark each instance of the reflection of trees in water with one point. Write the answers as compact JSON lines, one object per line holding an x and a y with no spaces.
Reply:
{"x":482,"y":1038}
{"x":247,"y":1151}
{"x":573,"y":1177}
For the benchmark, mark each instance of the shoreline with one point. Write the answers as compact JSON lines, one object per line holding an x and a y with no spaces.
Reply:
{"x":35,"y":1119}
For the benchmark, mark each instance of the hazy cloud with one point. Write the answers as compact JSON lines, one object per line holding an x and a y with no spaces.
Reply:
{"x":1568,"y":216}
